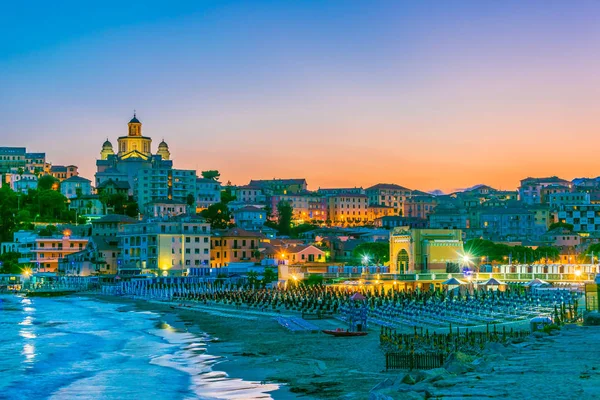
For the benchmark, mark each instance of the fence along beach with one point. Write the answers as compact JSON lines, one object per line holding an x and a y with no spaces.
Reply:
{"x":416,"y":329}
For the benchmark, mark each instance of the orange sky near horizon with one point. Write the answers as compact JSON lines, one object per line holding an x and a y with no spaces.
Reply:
{"x":428,"y":95}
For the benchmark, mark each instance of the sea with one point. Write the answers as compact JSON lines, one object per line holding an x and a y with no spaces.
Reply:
{"x":81,"y":348}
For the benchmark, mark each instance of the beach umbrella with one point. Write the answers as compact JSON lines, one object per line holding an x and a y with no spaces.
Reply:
{"x":357,"y":297}
{"x":493,"y":282}
{"x":537,"y":282}
{"x":453,"y":282}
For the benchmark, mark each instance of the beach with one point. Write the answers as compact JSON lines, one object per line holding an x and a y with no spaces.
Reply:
{"x":255,"y":347}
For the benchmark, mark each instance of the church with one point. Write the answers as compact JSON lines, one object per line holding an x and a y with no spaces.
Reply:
{"x":135,"y":170}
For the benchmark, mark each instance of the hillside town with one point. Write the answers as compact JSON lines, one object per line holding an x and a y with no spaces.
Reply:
{"x":141,"y":216}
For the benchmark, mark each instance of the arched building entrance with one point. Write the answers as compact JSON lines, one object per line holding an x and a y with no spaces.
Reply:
{"x":403,"y":262}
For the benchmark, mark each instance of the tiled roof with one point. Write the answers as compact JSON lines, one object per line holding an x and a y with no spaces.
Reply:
{"x":76,"y":179}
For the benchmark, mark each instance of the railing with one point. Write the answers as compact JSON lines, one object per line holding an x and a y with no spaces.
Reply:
{"x":410,"y":361}
{"x":442,"y":276}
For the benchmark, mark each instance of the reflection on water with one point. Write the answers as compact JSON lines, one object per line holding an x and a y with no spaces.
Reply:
{"x":28,"y":352}
{"x":79,"y":348}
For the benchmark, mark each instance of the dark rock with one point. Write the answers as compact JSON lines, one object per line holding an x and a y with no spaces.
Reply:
{"x":459,"y":363}
{"x":408,"y":379}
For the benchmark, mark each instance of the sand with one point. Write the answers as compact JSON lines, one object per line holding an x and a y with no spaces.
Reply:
{"x":255,"y":347}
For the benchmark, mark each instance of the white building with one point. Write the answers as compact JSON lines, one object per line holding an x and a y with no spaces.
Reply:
{"x":76,"y":186}
{"x":171,"y":247}
{"x":21,"y":183}
{"x":250,"y":218}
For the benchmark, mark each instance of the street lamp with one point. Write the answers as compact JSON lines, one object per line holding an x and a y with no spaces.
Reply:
{"x":365,"y":261}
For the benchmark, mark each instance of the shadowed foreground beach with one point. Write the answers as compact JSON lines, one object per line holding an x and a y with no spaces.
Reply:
{"x":256,"y":347}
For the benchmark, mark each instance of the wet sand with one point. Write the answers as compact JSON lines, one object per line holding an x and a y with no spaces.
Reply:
{"x":255,"y":347}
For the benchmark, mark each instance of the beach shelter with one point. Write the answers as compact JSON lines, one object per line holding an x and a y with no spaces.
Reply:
{"x":357,"y":297}
{"x":493,"y":284}
{"x":452,"y":284}
{"x":536,"y":283}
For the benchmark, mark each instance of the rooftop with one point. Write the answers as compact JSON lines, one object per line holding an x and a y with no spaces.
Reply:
{"x":387,"y":186}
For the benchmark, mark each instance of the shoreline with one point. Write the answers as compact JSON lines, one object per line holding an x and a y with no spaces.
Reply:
{"x":252,"y":346}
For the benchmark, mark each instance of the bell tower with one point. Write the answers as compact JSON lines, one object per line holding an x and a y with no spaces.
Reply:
{"x":135,"y":126}
{"x":134,"y":144}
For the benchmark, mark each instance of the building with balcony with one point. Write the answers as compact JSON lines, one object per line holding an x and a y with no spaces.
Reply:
{"x":250,"y":218}
{"x":21,"y":182}
{"x":388,"y":194}
{"x":306,"y":206}
{"x":280,"y":186}
{"x":419,"y":206}
{"x":248,"y":195}
{"x":76,"y":186}
{"x":348,"y":209}
{"x":49,"y":251}
{"x":233,"y":246}
{"x":12,"y":157}
{"x":449,"y":216}
{"x":208,"y":192}
{"x":165,"y":208}
{"x":584,"y":218}
{"x":537,"y":190}
{"x":100,"y":257}
{"x":110,"y":225}
{"x":173,"y":247}
{"x":63,"y":172}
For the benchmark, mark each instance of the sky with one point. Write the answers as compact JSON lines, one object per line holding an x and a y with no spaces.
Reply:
{"x":425,"y":94}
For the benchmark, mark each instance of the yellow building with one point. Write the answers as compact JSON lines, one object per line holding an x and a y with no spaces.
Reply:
{"x":425,"y":250}
{"x":134,"y":144}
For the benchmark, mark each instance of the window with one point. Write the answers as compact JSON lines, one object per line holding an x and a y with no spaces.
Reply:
{"x":188,"y":239}
{"x":188,"y":251}
{"x":205,"y":251}
{"x":197,"y":251}
{"x":197,"y":239}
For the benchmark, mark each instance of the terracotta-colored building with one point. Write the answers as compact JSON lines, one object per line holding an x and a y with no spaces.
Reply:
{"x":234,"y":245}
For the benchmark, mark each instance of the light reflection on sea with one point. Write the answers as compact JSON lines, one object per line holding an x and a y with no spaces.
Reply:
{"x":63,"y":348}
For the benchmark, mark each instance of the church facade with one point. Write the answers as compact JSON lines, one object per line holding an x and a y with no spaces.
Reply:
{"x":148,"y":177}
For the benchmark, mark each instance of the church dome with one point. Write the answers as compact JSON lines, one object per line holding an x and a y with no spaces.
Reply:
{"x":107,"y":145}
{"x":163,"y":145}
{"x":134,"y":120}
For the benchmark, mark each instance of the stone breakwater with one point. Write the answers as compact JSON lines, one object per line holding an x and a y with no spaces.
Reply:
{"x":564,"y":365}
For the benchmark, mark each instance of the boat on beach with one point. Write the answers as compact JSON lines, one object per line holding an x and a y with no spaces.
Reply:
{"x":339,"y":332}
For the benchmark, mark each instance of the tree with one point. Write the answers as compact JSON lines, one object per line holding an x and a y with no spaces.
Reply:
{"x":302,"y":228}
{"x":9,"y":263}
{"x":217,"y":215}
{"x":252,"y":277}
{"x":314,"y":280}
{"x":227,"y":195}
{"x":377,"y":252}
{"x":284,"y":217}
{"x":131,"y":209}
{"x":190,"y":200}
{"x":8,"y":206}
{"x":269,"y":276}
{"x":47,"y":182}
{"x":211,"y":174}
{"x":52,"y":204}
{"x":555,"y":225}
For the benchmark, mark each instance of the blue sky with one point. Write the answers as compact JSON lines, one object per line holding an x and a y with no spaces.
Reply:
{"x":424,"y":94}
